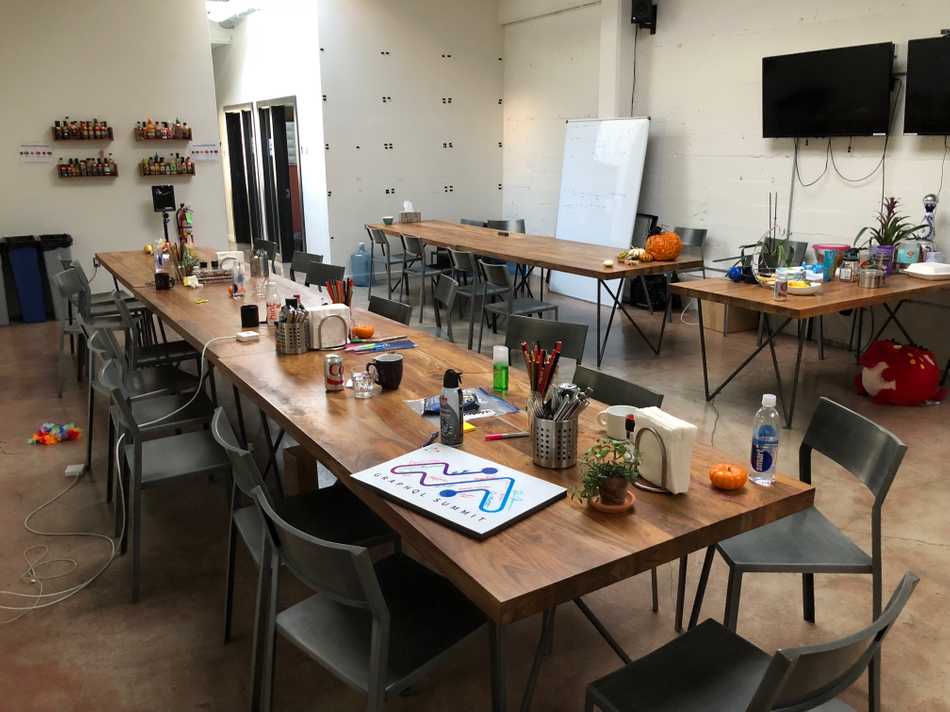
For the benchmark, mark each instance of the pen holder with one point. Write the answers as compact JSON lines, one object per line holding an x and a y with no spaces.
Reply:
{"x":554,"y":443}
{"x":292,"y":338}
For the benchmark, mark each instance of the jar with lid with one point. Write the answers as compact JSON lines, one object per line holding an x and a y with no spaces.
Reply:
{"x":848,"y":271}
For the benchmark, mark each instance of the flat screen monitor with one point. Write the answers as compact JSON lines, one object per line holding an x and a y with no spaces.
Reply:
{"x":833,"y":92}
{"x":163,"y":198}
{"x":927,"y":108}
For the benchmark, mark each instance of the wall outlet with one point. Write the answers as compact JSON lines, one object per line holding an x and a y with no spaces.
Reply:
{"x":75,"y":470}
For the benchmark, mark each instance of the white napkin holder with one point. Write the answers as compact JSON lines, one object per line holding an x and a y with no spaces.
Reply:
{"x":329,"y":326}
{"x":666,"y":463}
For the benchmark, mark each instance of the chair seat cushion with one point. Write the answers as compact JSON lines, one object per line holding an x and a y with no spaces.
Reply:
{"x":708,"y":669}
{"x":802,"y":542}
{"x":192,"y":413}
{"x":166,"y":379}
{"x":428,"y":616}
{"x":151,"y":354}
{"x":186,"y":455}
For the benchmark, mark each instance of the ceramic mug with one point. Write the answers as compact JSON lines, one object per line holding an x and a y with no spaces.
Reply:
{"x":613,"y":420}
{"x":387,"y":369}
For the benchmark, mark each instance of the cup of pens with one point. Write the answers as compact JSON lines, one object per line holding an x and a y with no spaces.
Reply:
{"x":552,"y":410}
{"x":292,"y":331}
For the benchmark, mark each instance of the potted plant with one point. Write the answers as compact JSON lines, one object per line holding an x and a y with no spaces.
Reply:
{"x":891,"y":228}
{"x":608,"y":468}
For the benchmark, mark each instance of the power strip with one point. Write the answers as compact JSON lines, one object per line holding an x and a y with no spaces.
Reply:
{"x":75,"y":470}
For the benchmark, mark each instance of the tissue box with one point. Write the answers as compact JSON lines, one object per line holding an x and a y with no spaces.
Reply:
{"x":410,"y":217}
{"x":678,"y":437}
{"x":329,"y":326}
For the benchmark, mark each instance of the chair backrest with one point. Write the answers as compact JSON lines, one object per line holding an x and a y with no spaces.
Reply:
{"x":691,"y":236}
{"x":111,"y":379}
{"x":869,"y":452}
{"x":496,"y":274}
{"x":391,"y":309}
{"x":72,"y":286}
{"x":643,"y":226}
{"x":341,"y":571}
{"x":67,"y":263}
{"x":616,"y":391}
{"x":468,"y":221}
{"x":300,"y":261}
{"x":514,"y":225}
{"x":573,"y":337}
{"x":269,"y":247}
{"x":244,"y":468}
{"x":413,"y":246}
{"x":445,"y":290}
{"x":319,"y":273}
{"x":378,"y":237}
{"x":803,"y":678}
{"x":465,"y":262}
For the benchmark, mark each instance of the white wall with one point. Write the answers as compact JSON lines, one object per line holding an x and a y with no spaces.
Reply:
{"x":117,"y":60}
{"x":551,"y":75}
{"x":356,"y":75}
{"x":273,"y":54}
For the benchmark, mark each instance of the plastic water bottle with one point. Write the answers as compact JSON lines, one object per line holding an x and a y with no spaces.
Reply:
{"x":765,"y":433}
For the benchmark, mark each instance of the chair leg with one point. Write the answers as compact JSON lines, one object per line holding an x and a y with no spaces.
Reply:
{"x":874,"y":683}
{"x":821,"y":338}
{"x":730,"y":618}
{"x":110,"y":459}
{"x":481,"y":331}
{"x":135,"y":524}
{"x":701,"y":587}
{"x":61,"y":360}
{"x":90,"y":421}
{"x":646,"y":293}
{"x":422,"y":297}
{"x":229,"y":582}
{"x":680,"y":594}
{"x":655,"y":589}
{"x":808,"y":597}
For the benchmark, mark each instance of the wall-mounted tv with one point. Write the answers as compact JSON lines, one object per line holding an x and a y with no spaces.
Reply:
{"x":834,"y":92}
{"x":927,"y":108}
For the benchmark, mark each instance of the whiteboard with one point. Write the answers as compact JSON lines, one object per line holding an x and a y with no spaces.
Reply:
{"x":600,"y":189}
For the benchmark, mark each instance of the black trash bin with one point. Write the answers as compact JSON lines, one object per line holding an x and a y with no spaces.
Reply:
{"x":24,"y":278}
{"x":56,"y":248}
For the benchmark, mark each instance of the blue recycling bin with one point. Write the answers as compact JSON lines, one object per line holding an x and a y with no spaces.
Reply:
{"x":24,"y":255}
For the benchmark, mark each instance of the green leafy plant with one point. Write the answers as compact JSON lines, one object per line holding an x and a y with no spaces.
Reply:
{"x":187,"y":260}
{"x":606,"y":459}
{"x":891,"y":227}
{"x":776,"y":252}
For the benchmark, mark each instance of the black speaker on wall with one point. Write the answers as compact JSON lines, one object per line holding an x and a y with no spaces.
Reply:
{"x":644,"y":15}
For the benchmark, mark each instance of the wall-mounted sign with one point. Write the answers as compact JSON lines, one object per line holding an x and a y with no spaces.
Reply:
{"x":205,"y":151}
{"x":35,"y":153}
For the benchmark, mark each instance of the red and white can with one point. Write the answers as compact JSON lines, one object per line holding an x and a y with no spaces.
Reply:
{"x":333,"y":372}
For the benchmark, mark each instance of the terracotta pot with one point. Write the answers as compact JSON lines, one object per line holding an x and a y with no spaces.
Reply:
{"x":613,"y":490}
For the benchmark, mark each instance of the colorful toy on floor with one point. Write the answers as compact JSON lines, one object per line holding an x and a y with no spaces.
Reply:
{"x":897,"y":374}
{"x":53,"y":434}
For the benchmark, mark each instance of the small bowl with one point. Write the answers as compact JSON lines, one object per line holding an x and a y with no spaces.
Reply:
{"x":388,"y":220}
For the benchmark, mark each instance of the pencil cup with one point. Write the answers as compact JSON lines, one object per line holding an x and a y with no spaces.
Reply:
{"x":554,"y":443}
{"x":293,"y":338}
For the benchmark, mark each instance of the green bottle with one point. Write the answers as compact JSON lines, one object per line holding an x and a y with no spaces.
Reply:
{"x":500,"y":369}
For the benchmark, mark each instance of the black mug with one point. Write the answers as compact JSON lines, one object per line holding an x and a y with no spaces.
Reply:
{"x":250,"y":316}
{"x":163,"y":280}
{"x":388,"y":370}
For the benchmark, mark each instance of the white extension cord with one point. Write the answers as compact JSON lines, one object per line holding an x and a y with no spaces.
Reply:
{"x":40,"y":561}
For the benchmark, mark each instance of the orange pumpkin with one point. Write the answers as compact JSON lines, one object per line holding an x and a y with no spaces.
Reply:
{"x":664,"y":246}
{"x":727,"y":477}
{"x":363,"y":331}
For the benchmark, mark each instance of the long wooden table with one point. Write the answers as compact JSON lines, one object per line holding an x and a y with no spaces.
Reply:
{"x":552,"y":557}
{"x":549,"y":253}
{"x":834,"y":297}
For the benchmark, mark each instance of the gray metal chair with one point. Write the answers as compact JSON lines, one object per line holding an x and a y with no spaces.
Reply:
{"x":573,"y":337}
{"x":414,"y":264}
{"x":378,"y":627}
{"x":807,"y":542}
{"x":446,"y":290}
{"x":379,"y":240}
{"x":328,"y":513}
{"x":465,"y":265}
{"x":522,"y":272}
{"x":301,"y":261}
{"x":319,"y":274}
{"x":711,"y":668}
{"x":644,"y":224}
{"x":510,"y":306}
{"x":144,"y":463}
{"x":391,"y":309}
{"x":145,"y":353}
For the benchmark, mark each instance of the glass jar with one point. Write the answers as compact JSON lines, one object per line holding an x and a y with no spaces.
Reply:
{"x":848,"y":272}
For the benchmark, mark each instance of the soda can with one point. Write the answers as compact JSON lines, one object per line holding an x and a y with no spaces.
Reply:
{"x":333,"y":372}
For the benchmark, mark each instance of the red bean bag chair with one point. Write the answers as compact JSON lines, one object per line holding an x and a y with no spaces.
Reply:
{"x":897,"y":374}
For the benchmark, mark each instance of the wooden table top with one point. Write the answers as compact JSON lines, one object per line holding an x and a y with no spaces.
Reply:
{"x":562,"y":551}
{"x":834,"y":296}
{"x":541,"y":251}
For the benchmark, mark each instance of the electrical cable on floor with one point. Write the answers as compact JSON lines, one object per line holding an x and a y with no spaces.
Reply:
{"x":31,"y":574}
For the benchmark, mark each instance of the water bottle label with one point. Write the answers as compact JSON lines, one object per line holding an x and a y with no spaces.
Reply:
{"x":762,"y":456}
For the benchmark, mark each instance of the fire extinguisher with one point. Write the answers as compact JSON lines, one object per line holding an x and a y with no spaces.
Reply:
{"x":185,"y":225}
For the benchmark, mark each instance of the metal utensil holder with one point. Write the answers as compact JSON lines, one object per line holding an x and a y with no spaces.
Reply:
{"x":292,"y":337}
{"x":554,"y":443}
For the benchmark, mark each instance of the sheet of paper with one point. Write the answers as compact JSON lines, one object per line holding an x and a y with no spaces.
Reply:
{"x":463,"y":491}
{"x":35,"y":153}
{"x":205,"y":151}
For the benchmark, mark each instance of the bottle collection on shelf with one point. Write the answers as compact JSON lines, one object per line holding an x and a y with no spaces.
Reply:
{"x":69,"y":130}
{"x":149,"y":130}
{"x":176,"y":165}
{"x":101,"y":166}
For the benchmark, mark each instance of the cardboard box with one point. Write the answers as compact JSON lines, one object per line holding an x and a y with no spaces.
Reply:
{"x":300,"y":471}
{"x":714,"y":318}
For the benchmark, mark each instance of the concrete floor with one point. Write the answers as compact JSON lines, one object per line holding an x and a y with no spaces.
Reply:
{"x":96,"y":651}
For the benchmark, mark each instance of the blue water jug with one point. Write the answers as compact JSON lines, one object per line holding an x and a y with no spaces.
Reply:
{"x":360,"y":266}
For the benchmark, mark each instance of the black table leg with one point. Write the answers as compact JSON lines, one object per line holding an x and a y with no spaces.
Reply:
{"x":617,"y":298}
{"x":600,"y":350}
{"x":273,"y":446}
{"x":602,"y":629}
{"x":544,"y":649}
{"x":499,"y":678}
{"x":702,"y":347}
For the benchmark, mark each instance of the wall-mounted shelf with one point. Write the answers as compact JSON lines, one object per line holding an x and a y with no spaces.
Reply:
{"x":111,"y":175}
{"x":100,"y":167}
{"x":91,"y":130}
{"x":147,"y":131}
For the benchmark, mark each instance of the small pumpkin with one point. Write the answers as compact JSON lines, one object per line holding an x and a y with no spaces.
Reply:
{"x":726,"y":476}
{"x":664,"y":246}
{"x":363,"y":331}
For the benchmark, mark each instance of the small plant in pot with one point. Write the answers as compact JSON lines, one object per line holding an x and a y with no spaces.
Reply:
{"x":609,"y":468}
{"x":891,"y":228}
